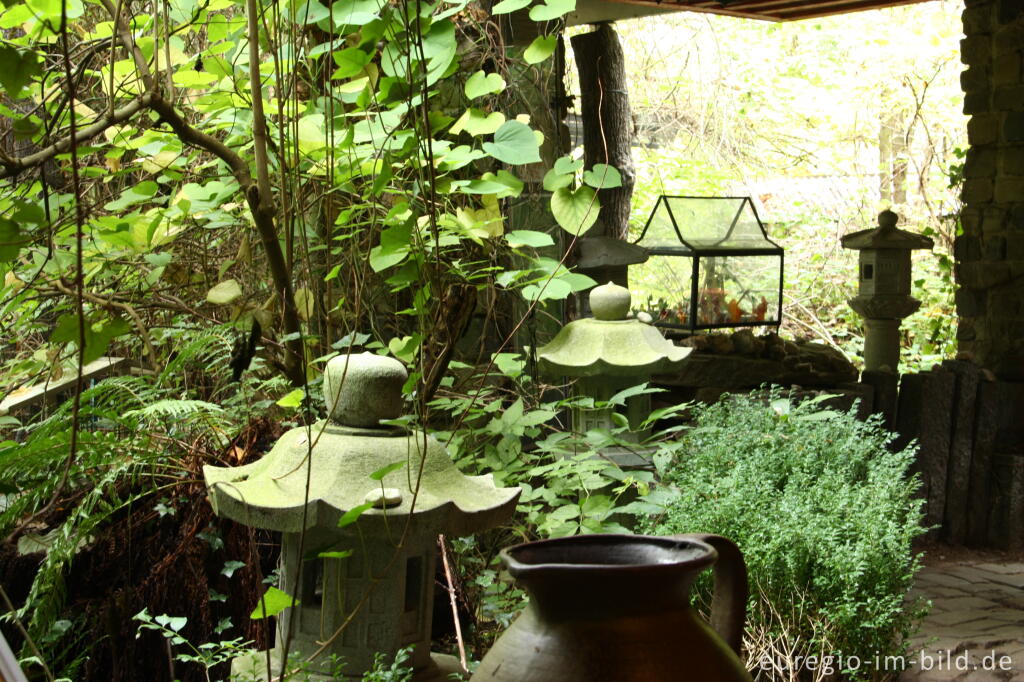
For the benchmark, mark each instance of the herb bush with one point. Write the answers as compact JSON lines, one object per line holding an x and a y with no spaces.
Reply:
{"x":825,"y":515}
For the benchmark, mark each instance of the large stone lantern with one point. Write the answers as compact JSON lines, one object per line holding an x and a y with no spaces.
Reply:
{"x":883,"y":297}
{"x":313,"y":476}
{"x":608,"y":353}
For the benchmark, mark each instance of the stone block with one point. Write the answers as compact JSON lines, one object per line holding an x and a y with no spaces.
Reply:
{"x":993,"y":220}
{"x":1006,"y":523}
{"x":1006,"y":69}
{"x":1009,"y":189}
{"x":965,"y":331}
{"x":976,"y":49}
{"x":977,"y":102}
{"x":968,"y":376}
{"x":884,"y":387}
{"x":970,"y":219}
{"x":1013,"y":126}
{"x":975,"y":78}
{"x":1016,"y":221}
{"x":983,"y":128}
{"x":1009,"y":10}
{"x":925,"y":412}
{"x":977,"y":20}
{"x":1011,"y":159}
{"x":981,"y":163}
{"x":1008,"y":98}
{"x":1015,"y":247}
{"x":995,"y":248}
{"x":981,"y":275}
{"x":970,"y":303}
{"x":978,"y":190}
{"x":967,"y":248}
{"x":1009,"y":37}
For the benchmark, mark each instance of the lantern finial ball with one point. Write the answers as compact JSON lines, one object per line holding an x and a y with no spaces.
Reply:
{"x":610,"y":302}
{"x":887,"y":220}
{"x":361,"y":390}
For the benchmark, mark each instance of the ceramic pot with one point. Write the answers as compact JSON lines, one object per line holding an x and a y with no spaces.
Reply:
{"x":616,"y":608}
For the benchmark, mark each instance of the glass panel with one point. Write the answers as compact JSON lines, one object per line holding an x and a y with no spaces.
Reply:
{"x":705,"y":222}
{"x":661,"y":287}
{"x":738,"y":289}
{"x":660,"y":231}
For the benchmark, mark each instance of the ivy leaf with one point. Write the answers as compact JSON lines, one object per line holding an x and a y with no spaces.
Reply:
{"x":379,"y":474}
{"x":552,"y":9}
{"x":506,"y":6}
{"x":355,"y":12}
{"x":554,"y":180}
{"x":230,"y":567}
{"x":345,"y":553}
{"x":540,"y":49}
{"x":17,"y":68}
{"x":603,"y":176}
{"x":98,"y":334}
{"x":273,"y":602}
{"x":10,"y":239}
{"x":518,"y":238}
{"x":405,"y":348}
{"x":476,"y":122}
{"x":503,"y":184}
{"x":224,"y":292}
{"x":480,"y":84}
{"x":350,"y":61}
{"x":353,"y":514}
{"x":514,"y":144}
{"x":575,"y":210}
{"x":555,"y":289}
{"x":293,"y":399}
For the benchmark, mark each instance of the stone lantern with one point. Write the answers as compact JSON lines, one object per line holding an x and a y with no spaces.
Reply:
{"x":313,"y":476}
{"x":883,"y":297}
{"x":608,"y":353}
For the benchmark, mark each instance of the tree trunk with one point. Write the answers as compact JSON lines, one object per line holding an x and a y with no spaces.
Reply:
{"x":607,"y":123}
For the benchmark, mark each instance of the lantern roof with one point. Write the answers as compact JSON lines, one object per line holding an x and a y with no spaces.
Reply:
{"x":886,"y":236}
{"x":610,"y":343}
{"x":315,"y":474}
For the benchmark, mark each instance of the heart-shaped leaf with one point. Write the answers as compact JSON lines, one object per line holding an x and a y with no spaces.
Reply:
{"x":514,"y":144}
{"x":603,"y":176}
{"x":476,"y":122}
{"x":506,"y":6}
{"x":540,"y":49}
{"x":225,"y":292}
{"x":273,"y":602}
{"x":480,"y":84}
{"x":552,"y":9}
{"x":575,"y":210}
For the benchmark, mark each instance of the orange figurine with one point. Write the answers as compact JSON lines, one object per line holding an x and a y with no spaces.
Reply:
{"x":761,"y":309}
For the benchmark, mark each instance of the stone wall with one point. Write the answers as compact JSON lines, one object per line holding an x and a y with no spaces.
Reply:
{"x":990,"y":253}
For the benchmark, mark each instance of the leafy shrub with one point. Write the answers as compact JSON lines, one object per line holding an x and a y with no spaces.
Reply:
{"x":824,"y":513}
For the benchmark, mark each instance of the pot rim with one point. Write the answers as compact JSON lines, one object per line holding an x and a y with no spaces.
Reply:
{"x":518,"y":567}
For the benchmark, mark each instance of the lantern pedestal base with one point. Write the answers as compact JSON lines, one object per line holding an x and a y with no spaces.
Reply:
{"x":252,"y":667}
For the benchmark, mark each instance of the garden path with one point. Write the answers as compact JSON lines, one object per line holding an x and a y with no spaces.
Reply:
{"x":975,"y":628}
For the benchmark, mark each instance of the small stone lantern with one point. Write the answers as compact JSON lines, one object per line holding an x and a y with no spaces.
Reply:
{"x":608,"y":353}
{"x":883,"y":297}
{"x":313,"y":476}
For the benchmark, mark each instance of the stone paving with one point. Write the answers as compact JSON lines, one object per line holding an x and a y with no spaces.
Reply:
{"x":975,"y":629}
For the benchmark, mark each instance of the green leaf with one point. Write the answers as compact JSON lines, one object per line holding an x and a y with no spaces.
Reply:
{"x":379,"y":474}
{"x":480,"y":84}
{"x":310,"y":12}
{"x":518,"y":238}
{"x":393,"y":248}
{"x":506,"y":6}
{"x":230,"y":567}
{"x":141,"y":192}
{"x":476,"y":122}
{"x":503,"y":184}
{"x":540,"y":49}
{"x":10,"y":240}
{"x":514,"y":144}
{"x":224,"y":292}
{"x":565,"y":164}
{"x":273,"y":602}
{"x":98,"y":334}
{"x":552,"y":9}
{"x":405,"y":348}
{"x":554,"y":289}
{"x":575,"y":210}
{"x":17,"y":68}
{"x":353,"y":514}
{"x":554,"y":180}
{"x":350,"y":61}
{"x":174,"y":623}
{"x":603,"y":176}
{"x":293,"y":399}
{"x":577,"y":281}
{"x":335,"y":555}
{"x":356,"y":12}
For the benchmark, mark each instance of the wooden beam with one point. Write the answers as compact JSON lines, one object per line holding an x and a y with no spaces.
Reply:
{"x":38,"y":393}
{"x":772,"y":10}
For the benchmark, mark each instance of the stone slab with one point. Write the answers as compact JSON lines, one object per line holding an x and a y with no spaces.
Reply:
{"x":961,"y":449}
